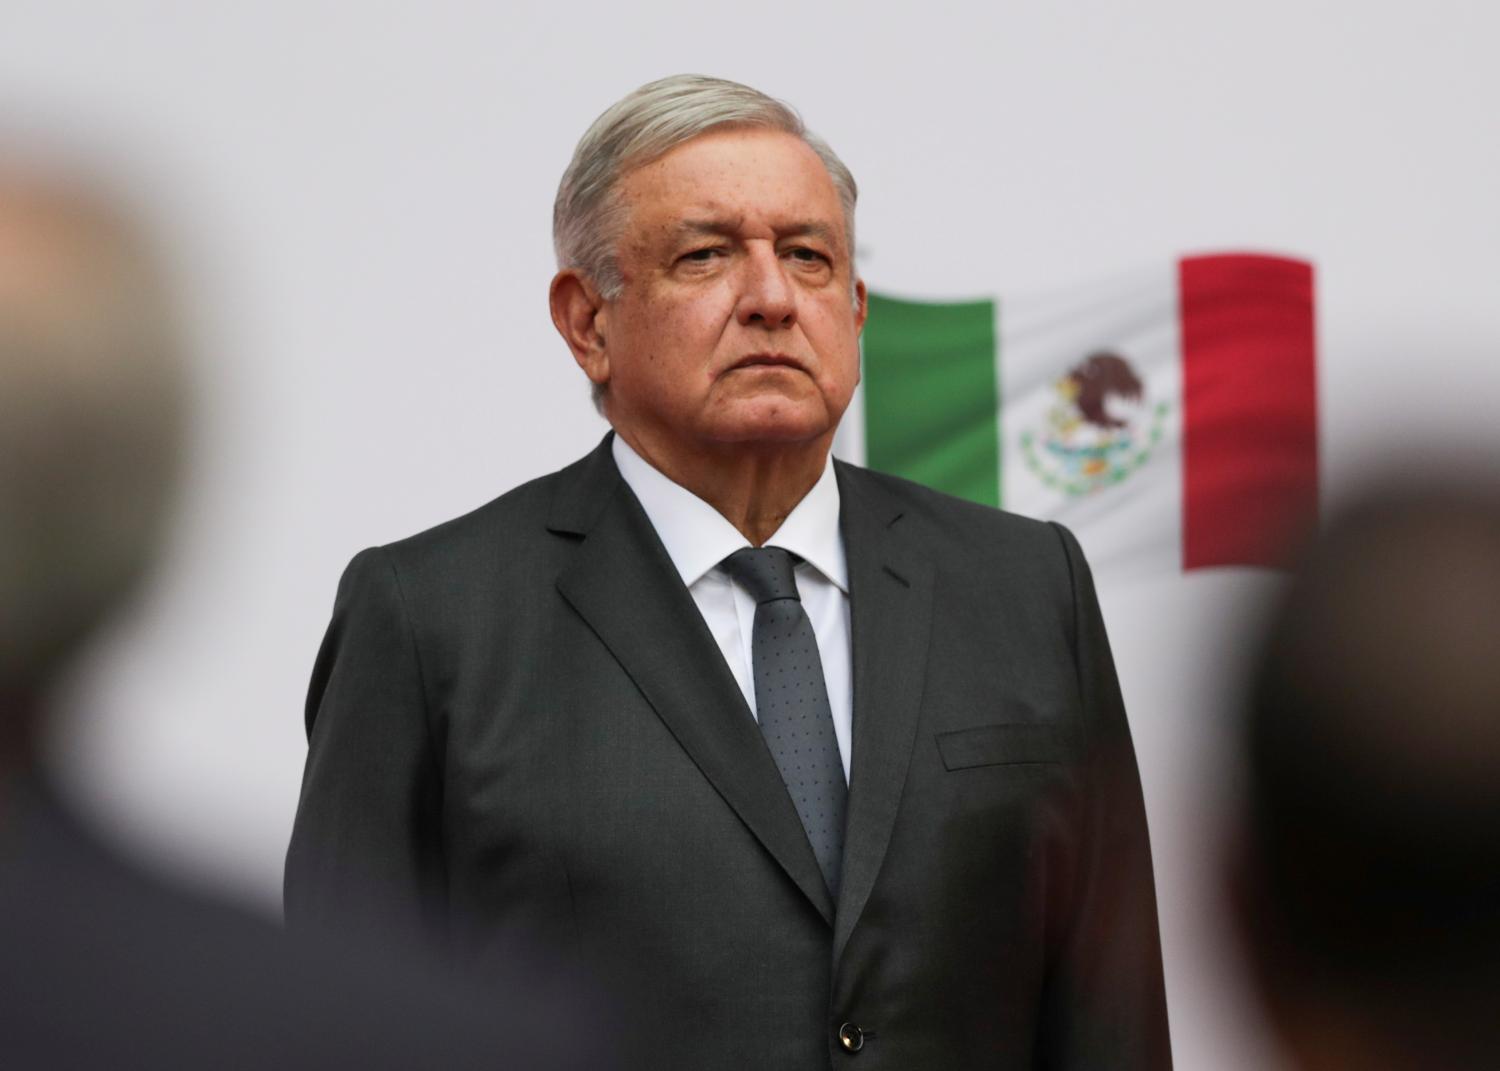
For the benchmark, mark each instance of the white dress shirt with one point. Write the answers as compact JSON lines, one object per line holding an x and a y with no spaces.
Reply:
{"x":698,"y":538}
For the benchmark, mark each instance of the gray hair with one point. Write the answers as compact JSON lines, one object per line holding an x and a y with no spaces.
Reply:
{"x":587,"y":217}
{"x":92,"y":408}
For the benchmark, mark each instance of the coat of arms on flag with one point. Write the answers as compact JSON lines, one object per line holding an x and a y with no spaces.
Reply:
{"x":1168,"y":416}
{"x":1097,"y":431}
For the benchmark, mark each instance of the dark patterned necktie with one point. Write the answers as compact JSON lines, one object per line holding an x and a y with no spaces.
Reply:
{"x":791,"y":701}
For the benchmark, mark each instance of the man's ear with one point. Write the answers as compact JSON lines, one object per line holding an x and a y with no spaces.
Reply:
{"x":579,"y":313}
{"x":861,"y":305}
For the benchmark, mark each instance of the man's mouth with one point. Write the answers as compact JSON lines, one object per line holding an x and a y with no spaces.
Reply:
{"x":767,"y":360}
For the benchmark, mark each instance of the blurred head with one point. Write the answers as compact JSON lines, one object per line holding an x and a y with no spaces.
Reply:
{"x":1369,"y":883}
{"x":91,"y":414}
{"x":705,"y":242}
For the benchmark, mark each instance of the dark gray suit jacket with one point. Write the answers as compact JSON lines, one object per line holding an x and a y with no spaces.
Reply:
{"x":519,"y":721}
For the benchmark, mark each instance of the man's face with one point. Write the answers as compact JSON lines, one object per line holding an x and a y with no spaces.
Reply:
{"x":737,"y":322}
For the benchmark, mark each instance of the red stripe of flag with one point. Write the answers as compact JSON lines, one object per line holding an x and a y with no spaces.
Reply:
{"x":1249,"y":384}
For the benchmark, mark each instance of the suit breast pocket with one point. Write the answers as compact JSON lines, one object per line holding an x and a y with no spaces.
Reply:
{"x":1002,"y":745}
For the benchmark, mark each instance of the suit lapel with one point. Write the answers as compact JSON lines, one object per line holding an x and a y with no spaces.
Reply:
{"x":890,"y":598}
{"x":622,"y":582}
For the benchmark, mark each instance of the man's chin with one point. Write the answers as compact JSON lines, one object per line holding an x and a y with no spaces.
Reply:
{"x":774,"y":425}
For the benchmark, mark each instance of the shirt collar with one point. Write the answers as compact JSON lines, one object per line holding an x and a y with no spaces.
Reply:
{"x":698,"y":538}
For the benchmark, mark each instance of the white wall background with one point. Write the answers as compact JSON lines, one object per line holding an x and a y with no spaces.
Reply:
{"x":365,"y":189}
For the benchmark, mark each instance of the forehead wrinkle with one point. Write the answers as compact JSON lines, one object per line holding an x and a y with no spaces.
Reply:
{"x":720,"y":227}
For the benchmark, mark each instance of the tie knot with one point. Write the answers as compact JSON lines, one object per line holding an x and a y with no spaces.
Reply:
{"x":766,"y":572}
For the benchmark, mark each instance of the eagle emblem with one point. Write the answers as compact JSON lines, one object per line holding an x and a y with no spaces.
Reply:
{"x":1099,"y":428}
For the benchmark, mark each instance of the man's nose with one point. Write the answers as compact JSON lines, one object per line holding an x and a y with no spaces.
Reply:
{"x":767,"y":298}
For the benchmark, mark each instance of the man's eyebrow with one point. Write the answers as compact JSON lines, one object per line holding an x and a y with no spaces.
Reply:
{"x":811,"y":229}
{"x":691,"y":228}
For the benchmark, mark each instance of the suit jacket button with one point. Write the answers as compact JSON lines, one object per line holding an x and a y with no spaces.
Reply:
{"x":851,"y":1037}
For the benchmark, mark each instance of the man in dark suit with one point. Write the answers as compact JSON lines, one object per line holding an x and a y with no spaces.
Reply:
{"x":818,"y":764}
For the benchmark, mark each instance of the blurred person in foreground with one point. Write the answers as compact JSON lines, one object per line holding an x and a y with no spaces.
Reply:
{"x":102,"y":965}
{"x":823,"y":765}
{"x":1367,"y":881}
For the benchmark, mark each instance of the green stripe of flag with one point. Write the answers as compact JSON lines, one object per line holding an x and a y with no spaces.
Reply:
{"x":931,"y":396}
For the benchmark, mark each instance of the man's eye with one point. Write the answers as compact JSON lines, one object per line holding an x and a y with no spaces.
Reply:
{"x":700,"y":256}
{"x":807,"y":256}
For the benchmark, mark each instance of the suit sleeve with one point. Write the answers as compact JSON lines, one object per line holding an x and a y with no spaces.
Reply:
{"x":1106,"y":1000}
{"x":365,"y":851}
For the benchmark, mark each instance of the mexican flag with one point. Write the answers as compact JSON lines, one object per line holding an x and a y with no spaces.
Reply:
{"x":1168,"y":416}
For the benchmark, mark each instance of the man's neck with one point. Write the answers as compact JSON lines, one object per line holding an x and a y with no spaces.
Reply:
{"x":753,"y":486}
